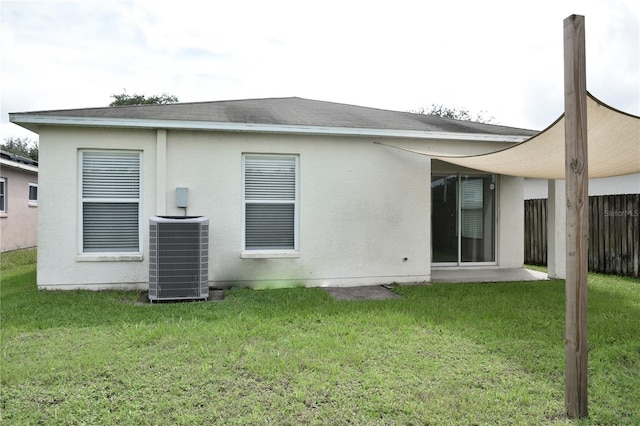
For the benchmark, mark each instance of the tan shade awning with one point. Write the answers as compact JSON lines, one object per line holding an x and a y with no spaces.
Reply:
{"x":613,"y":142}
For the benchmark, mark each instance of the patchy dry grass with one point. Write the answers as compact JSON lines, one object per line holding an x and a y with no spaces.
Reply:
{"x":442,"y":354}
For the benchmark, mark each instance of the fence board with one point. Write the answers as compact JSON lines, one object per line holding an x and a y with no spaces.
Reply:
{"x":610,"y":232}
{"x":633,"y":235}
{"x":624,"y":239}
{"x":617,"y":229}
{"x":614,"y":233}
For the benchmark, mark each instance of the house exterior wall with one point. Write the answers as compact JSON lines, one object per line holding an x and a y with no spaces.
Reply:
{"x":59,"y":262}
{"x":511,"y":222}
{"x":18,"y":224}
{"x":364,"y":211}
{"x":364,"y":208}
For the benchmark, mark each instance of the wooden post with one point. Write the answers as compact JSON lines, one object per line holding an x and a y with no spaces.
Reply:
{"x":577,"y":193}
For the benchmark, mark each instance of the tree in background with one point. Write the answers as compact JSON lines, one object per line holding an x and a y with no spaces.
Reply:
{"x":455,"y":113}
{"x":127,"y":99}
{"x":24,"y":147}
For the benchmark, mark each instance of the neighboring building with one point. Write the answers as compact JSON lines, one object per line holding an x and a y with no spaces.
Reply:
{"x":18,"y":202}
{"x":297,"y":192}
{"x":626,"y":184}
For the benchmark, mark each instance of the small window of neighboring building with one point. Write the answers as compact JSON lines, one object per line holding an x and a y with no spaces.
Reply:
{"x":3,"y":195}
{"x":270,"y":203}
{"x":33,"y":193}
{"x":110,"y":201}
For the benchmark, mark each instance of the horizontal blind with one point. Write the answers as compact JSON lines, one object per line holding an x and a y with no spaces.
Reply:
{"x":472,"y":192}
{"x":270,"y":202}
{"x":270,"y":226}
{"x":270,"y":178}
{"x":2,"y":195}
{"x":110,"y":201}
{"x":110,"y":227}
{"x":472,"y":208}
{"x":110,"y":175}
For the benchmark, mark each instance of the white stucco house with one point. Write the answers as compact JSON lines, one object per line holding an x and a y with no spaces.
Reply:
{"x":297,"y":192}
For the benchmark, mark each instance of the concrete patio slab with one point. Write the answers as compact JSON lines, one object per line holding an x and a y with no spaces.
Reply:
{"x":485,"y":275}
{"x":377,"y":292}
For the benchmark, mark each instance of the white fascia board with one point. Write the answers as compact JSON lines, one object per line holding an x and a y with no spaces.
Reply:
{"x":34,"y":119}
{"x":15,"y":165}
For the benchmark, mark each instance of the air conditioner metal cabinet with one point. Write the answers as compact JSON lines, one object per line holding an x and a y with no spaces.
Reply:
{"x":178,"y":258}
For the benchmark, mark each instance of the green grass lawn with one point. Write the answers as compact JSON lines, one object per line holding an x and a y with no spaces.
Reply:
{"x":442,"y":354}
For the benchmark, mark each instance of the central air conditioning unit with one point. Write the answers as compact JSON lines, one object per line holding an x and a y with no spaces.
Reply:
{"x":178,"y":258}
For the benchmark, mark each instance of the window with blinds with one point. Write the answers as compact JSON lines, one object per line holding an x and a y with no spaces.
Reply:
{"x":33,"y":192}
{"x":110,"y":201}
{"x":270,"y":202}
{"x":471,"y":199}
{"x":3,"y":195}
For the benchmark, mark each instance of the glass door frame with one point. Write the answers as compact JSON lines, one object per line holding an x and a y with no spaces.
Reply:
{"x":459,"y":174}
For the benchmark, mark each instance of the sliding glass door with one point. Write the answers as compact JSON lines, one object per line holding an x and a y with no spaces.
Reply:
{"x":444,"y":218}
{"x":463,"y":220}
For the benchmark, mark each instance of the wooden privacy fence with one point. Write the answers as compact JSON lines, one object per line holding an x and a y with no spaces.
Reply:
{"x":535,"y":232}
{"x":614,"y":233}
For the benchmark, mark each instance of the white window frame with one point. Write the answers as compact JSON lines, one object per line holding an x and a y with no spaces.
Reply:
{"x":33,"y":201}
{"x":108,"y":255}
{"x":3,"y":195}
{"x":272,"y":253}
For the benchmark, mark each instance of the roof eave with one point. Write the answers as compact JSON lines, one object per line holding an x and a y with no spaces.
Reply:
{"x":20,"y":166}
{"x":34,"y":121}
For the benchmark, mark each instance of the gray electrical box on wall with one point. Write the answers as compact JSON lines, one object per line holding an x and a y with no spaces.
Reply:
{"x":181,"y":197}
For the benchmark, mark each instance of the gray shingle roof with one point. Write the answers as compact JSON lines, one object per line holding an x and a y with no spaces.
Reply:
{"x":18,"y":158}
{"x":289,"y":111}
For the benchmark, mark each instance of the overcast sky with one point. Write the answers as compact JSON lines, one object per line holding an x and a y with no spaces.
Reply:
{"x":502,"y":57}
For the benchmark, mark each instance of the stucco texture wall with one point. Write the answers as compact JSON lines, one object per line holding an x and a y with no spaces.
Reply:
{"x":364,"y":211}
{"x":60,"y":264}
{"x":511,"y":222}
{"x":364,"y":208}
